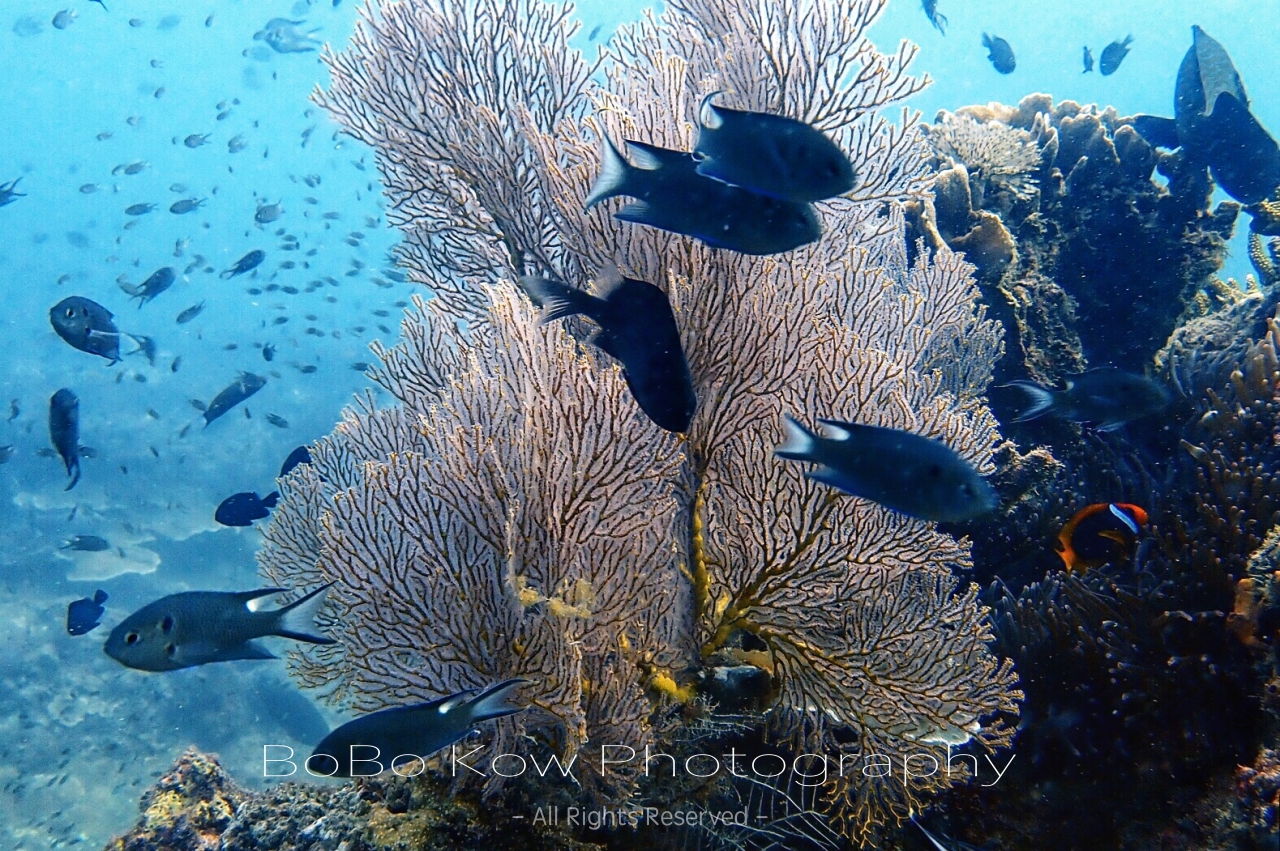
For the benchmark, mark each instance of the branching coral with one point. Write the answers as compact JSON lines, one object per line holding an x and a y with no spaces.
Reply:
{"x":991,"y":151}
{"x":515,"y":515}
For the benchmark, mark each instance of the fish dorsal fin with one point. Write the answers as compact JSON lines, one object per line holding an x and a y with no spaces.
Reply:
{"x":1218,"y":73}
{"x":708,"y":116}
{"x":1123,"y":516}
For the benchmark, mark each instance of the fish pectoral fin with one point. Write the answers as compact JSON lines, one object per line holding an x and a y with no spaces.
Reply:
{"x":1112,"y":535}
{"x":1159,"y":132}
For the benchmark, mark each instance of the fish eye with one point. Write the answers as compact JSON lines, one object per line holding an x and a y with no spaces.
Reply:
{"x":171,"y":650}
{"x":70,"y":311}
{"x":131,"y":638}
{"x":166,"y":625}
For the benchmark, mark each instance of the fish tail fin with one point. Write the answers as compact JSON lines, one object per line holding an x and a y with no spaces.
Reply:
{"x":492,"y":702}
{"x":1039,"y":400}
{"x":613,"y":177}
{"x":708,"y":117}
{"x":557,"y":300}
{"x":986,"y":41}
{"x":800,"y":442}
{"x":271,"y":499}
{"x":74,"y":469}
{"x":298,"y":619}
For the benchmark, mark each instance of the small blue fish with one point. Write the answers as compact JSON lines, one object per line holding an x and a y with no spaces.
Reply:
{"x":1088,"y":60}
{"x":198,"y":627}
{"x":247,"y":263}
{"x":1000,"y":53}
{"x":64,"y":431}
{"x":1113,"y":54}
{"x":395,"y":737}
{"x":242,"y":509}
{"x":245,"y":385}
{"x":931,"y":12}
{"x":906,"y":472}
{"x":86,"y":544}
{"x":85,"y":614}
{"x":770,"y":155}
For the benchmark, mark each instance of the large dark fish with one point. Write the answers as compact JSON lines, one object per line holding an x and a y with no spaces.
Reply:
{"x":770,"y":154}
{"x":1105,"y":532}
{"x":233,"y":394}
{"x":84,"y":615}
{"x":1000,"y":53}
{"x":1106,"y":396}
{"x":931,"y":12}
{"x":637,"y":328}
{"x":1113,"y":54}
{"x":87,"y":326}
{"x":247,"y":263}
{"x":1213,"y":124}
{"x":64,"y":431}
{"x":906,"y":472}
{"x":242,"y":509}
{"x":673,"y":196}
{"x":198,"y":627}
{"x":394,"y":737}
{"x":301,"y":455}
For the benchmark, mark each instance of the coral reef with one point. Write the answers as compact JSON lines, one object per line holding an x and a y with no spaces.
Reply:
{"x":197,"y":807}
{"x":1048,"y":243}
{"x":512,"y":514}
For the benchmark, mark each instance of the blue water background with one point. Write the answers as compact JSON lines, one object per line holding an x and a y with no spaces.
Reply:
{"x":79,"y":734}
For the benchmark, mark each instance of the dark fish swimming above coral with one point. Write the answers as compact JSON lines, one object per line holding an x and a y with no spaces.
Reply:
{"x":159,"y":281}
{"x":1113,"y":54}
{"x":1105,"y":397}
{"x":770,"y":155}
{"x":298,"y":456}
{"x":199,"y":627}
{"x":1102,"y":533}
{"x":84,"y":615}
{"x":395,"y":737}
{"x":233,"y":394}
{"x":64,"y":431}
{"x":672,"y":196}
{"x":247,"y":263}
{"x":1213,"y":124}
{"x":242,"y":509}
{"x":87,"y":326}
{"x":906,"y":472}
{"x":637,"y":328}
{"x":86,"y":544}
{"x":999,"y":53}
{"x":1088,"y":60}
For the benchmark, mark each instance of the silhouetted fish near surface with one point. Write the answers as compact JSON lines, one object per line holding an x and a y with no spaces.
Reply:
{"x":637,"y":328}
{"x":84,"y":615}
{"x":64,"y":431}
{"x":1000,"y":53}
{"x":1100,"y":533}
{"x":1113,"y":54}
{"x":1214,"y":126}
{"x":1088,"y":60}
{"x":672,"y":196}
{"x":86,"y":544}
{"x":86,"y":326}
{"x":247,"y":263}
{"x":770,"y":154}
{"x":405,"y":733}
{"x":9,"y":193}
{"x":190,"y":313}
{"x":1105,"y":396}
{"x":233,"y":394}
{"x":931,"y":12}
{"x":905,"y":472}
{"x":301,"y":455}
{"x":242,"y":509}
{"x":199,"y":627}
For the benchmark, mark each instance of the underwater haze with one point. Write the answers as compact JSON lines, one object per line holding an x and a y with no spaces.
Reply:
{"x":975,"y":459}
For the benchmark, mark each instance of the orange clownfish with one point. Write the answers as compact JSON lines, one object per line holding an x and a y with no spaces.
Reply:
{"x":1100,"y":533}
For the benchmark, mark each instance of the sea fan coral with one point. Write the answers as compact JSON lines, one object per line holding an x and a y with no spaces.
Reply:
{"x":516,"y":515}
{"x":992,"y":151}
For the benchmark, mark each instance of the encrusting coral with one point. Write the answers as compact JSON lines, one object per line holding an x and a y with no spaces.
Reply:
{"x":514,"y":514}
